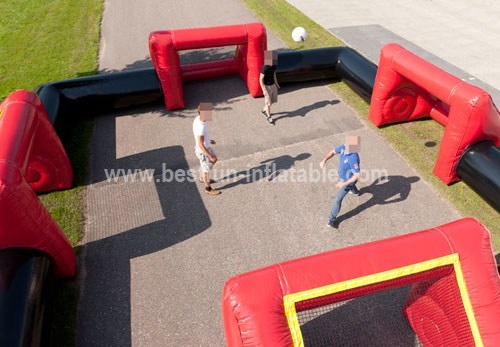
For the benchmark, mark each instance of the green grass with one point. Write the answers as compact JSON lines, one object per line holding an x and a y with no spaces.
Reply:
{"x":411,"y":140}
{"x":43,"y":41}
{"x":47,"y":40}
{"x":281,"y":18}
{"x":66,"y":206}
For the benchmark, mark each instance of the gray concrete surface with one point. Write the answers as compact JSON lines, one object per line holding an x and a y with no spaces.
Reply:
{"x":157,"y":254}
{"x":461,"y":37}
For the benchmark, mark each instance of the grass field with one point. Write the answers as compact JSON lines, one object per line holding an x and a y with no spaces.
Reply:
{"x":418,"y":142}
{"x":43,"y":41}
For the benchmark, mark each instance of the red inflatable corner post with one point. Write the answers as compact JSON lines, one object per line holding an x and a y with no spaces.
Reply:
{"x":250,"y":40}
{"x":454,"y":300}
{"x":32,"y":158}
{"x":408,"y":87}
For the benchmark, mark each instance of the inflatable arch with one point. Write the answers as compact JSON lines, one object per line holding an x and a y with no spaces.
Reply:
{"x":454,"y":299}
{"x":251,"y":42}
{"x":408,"y":87}
{"x":32,"y":158}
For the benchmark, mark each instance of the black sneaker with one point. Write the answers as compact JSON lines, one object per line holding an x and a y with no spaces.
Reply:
{"x":270,"y":120}
{"x":334,"y":225}
{"x":354,"y":191}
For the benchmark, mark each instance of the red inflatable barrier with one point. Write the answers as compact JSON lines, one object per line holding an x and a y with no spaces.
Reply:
{"x":32,"y":158}
{"x":251,"y":42}
{"x":454,"y":300}
{"x":408,"y":87}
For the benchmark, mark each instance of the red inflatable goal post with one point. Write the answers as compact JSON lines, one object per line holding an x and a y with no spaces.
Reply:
{"x":447,"y":276}
{"x":408,"y":87}
{"x":251,"y":42}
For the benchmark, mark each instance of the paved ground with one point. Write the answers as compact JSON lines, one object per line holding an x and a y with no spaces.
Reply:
{"x":157,"y":254}
{"x":462,"y":37}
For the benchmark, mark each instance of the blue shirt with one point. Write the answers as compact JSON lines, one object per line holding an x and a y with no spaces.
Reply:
{"x":349,"y":163}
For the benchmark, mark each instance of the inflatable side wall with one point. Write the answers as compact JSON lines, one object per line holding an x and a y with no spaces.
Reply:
{"x":341,"y":63}
{"x":32,"y":158}
{"x":408,"y":87}
{"x":92,"y":95}
{"x":479,"y":167}
{"x":251,"y":42}
{"x":259,"y":308}
{"x":25,"y":291}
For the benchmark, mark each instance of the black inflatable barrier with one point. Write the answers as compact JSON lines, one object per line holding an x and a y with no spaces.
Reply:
{"x":105,"y":92}
{"x":341,"y":63}
{"x":26,"y":277}
{"x":479,"y":168}
{"x":99,"y":93}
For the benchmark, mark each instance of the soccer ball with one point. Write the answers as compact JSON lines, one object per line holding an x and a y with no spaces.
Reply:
{"x":299,"y":34}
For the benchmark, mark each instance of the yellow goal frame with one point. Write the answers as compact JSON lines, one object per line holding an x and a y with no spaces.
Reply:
{"x":290,"y":300}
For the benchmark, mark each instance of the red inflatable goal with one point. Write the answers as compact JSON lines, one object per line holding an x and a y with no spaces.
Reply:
{"x":251,"y":42}
{"x":407,"y":87}
{"x":449,"y":274}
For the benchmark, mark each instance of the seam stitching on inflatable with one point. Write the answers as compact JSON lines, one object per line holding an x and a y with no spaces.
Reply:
{"x":172,"y":37}
{"x":282,"y":279}
{"x":448,"y":241}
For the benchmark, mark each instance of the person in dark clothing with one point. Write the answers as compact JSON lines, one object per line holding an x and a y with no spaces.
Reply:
{"x":269,"y":83}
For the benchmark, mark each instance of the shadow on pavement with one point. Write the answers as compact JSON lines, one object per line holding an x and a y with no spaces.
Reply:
{"x":303,"y":111}
{"x":104,"y":317}
{"x":385,"y":190}
{"x":268,"y":170}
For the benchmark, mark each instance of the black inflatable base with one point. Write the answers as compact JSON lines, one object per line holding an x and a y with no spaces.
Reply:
{"x":26,"y":282}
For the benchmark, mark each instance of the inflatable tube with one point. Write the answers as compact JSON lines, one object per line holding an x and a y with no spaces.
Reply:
{"x":25,"y":287}
{"x":100,"y":93}
{"x":479,"y":168}
{"x":307,"y":65}
{"x":342,"y":63}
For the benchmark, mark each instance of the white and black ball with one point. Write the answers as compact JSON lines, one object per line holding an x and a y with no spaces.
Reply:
{"x":299,"y":34}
